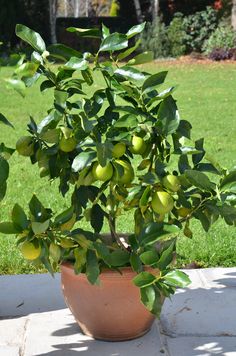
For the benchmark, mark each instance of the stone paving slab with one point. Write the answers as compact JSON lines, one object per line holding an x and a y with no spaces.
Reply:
{"x":198,"y":321}
{"x":59,"y":331}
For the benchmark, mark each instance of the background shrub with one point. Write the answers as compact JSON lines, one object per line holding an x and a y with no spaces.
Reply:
{"x":155,"y":38}
{"x":176,"y":36}
{"x":223,"y":38}
{"x":199,"y":27}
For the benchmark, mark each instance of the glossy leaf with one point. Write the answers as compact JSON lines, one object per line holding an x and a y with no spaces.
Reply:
{"x":166,"y":257}
{"x":19,"y":217}
{"x":135,"y":30}
{"x":141,"y":58}
{"x":92,"y":267}
{"x":149,"y":258}
{"x":63,"y":52}
{"x":130,"y":73}
{"x":135,"y":262}
{"x":154,"y":80}
{"x":228,"y":184}
{"x":40,"y":227}
{"x":168,"y":116}
{"x":144,"y":279}
{"x":199,"y":180}
{"x":76,"y":63}
{"x":177,"y":279}
{"x":85,"y":32}
{"x":119,"y":258}
{"x":97,"y":218}
{"x":114,"y":42}
{"x":129,"y":51}
{"x":31,"y":37}
{"x":82,"y":160}
{"x":151,"y":298}
{"x":4,"y":120}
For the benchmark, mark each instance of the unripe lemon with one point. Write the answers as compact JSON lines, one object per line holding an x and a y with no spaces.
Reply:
{"x":67,"y":226}
{"x":138,"y":145}
{"x":67,"y":144}
{"x":25,"y":146}
{"x":171,"y":182}
{"x":102,"y":173}
{"x":183,"y":212}
{"x":118,"y":150}
{"x":162,"y":202}
{"x":29,"y":251}
{"x":128,"y":172}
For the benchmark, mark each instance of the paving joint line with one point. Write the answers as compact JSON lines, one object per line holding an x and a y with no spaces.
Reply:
{"x":22,"y":347}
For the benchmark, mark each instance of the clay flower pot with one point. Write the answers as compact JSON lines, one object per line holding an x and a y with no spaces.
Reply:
{"x":111,"y":311}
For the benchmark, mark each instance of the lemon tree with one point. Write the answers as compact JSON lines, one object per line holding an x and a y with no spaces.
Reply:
{"x":122,"y":148}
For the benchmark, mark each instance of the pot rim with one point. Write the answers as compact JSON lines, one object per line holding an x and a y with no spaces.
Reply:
{"x":126,"y":272}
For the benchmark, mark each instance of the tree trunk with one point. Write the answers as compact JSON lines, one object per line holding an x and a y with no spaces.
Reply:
{"x":53,"y":16}
{"x":155,"y":6}
{"x":138,"y":10}
{"x":233,"y":18}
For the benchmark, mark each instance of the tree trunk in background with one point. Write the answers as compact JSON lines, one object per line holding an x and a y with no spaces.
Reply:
{"x":53,"y":11}
{"x":233,"y":18}
{"x":138,"y":10}
{"x":155,"y":10}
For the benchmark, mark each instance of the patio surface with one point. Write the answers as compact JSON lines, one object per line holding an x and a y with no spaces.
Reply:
{"x":200,"y":320}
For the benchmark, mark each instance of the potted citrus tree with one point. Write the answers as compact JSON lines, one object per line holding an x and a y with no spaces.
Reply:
{"x":121,"y":151}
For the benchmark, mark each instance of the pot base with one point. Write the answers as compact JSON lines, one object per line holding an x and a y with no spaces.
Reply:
{"x":111,"y":311}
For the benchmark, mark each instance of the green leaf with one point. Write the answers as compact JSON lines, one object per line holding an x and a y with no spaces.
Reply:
{"x":114,"y":42}
{"x":3,"y":190}
{"x":155,"y":231}
{"x":19,"y":217}
{"x":151,"y":298}
{"x":149,"y":258}
{"x":85,"y":32}
{"x":105,"y":31}
{"x":166,"y":257}
{"x":31,"y":37}
{"x":92,"y":267}
{"x":199,"y":180}
{"x":4,"y":170}
{"x":154,"y":80}
{"x":128,"y":52}
{"x":145,"y":196}
{"x":141,"y":58}
{"x":130,"y":73}
{"x":144,"y":279}
{"x":177,"y":279}
{"x":135,"y":262}
{"x":82,"y":160}
{"x":37,"y":209}
{"x":104,"y":152}
{"x":76,"y":63}
{"x":40,"y":227}
{"x":129,"y":121}
{"x":203,"y":219}
{"x":168,"y":116}
{"x":228,"y":184}
{"x":27,"y":69}
{"x":119,"y":258}
{"x":64,"y":216}
{"x":97,"y":218}
{"x":4,"y":120}
{"x":16,"y":84}
{"x":135,"y":30}
{"x":8,"y":228}
{"x":63,"y":52}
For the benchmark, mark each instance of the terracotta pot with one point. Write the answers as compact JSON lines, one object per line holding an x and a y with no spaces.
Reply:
{"x":111,"y":311}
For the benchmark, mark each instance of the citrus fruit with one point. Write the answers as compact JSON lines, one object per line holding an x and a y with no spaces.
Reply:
{"x":30,"y":251}
{"x":118,"y":150}
{"x":171,"y":182}
{"x":138,"y":145}
{"x":128,"y":173}
{"x":25,"y":146}
{"x":67,"y":144}
{"x":183,"y":212}
{"x":162,"y":202}
{"x":102,"y":173}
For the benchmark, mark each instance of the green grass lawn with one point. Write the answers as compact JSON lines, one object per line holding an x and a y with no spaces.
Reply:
{"x":206,"y":97}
